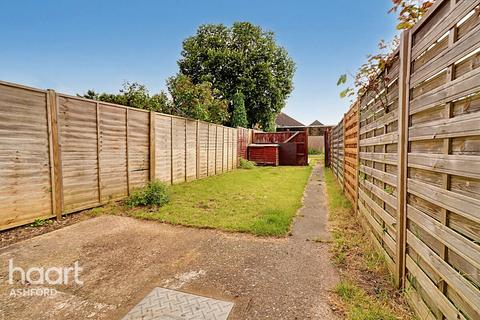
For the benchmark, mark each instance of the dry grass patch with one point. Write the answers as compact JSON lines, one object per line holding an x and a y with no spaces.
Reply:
{"x":366,"y":290}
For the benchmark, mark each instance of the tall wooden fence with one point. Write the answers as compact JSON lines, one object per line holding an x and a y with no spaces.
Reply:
{"x":61,"y":154}
{"x":337,"y":157}
{"x":350,"y":143}
{"x":418,"y":185}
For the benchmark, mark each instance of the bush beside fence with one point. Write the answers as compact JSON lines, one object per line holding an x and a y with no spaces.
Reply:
{"x":62,"y":154}
{"x":418,"y":186}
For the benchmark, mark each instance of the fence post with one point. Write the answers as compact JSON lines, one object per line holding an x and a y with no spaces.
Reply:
{"x":152,"y":146}
{"x":403,"y":103}
{"x":55,"y":154}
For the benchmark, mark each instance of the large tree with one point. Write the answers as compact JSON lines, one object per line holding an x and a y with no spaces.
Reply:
{"x":241,"y":58}
{"x":239,"y":114}
{"x":196,"y":101}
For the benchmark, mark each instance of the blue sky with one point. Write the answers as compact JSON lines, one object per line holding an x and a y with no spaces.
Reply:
{"x":72,"y":46}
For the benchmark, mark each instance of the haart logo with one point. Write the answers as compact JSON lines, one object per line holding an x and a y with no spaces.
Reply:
{"x":42,"y":276}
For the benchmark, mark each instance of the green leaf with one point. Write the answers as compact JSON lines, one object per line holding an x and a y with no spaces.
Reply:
{"x":404,"y":25}
{"x":342,"y":79}
{"x":346,"y":93}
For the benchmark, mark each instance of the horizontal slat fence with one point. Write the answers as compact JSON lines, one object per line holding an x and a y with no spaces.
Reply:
{"x":350,"y":143}
{"x":337,"y":156}
{"x":377,"y":183}
{"x":62,"y":154}
{"x":419,"y":154}
{"x":443,"y":161}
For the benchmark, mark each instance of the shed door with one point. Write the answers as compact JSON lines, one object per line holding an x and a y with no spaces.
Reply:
{"x":288,"y":154}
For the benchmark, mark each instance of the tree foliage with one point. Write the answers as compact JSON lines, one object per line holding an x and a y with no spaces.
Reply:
{"x":198,"y":101}
{"x":410,"y":11}
{"x":239,"y":113}
{"x":241,"y":58}
{"x":371,"y":74}
{"x":134,"y":95}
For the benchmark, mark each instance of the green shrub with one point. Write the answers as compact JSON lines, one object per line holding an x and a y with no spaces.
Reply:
{"x":313,"y":151}
{"x":245,"y":164}
{"x":154,"y":194}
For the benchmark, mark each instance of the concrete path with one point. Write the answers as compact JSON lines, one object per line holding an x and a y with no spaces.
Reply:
{"x":312,"y":219}
{"x":124,"y":259}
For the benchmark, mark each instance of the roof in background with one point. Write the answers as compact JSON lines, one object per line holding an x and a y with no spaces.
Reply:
{"x":284,"y":120}
{"x":316,"y":123}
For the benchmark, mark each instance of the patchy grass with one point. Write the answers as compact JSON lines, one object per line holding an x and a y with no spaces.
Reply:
{"x":261,"y":200}
{"x":366,"y":290}
{"x":315,"y":158}
{"x":360,"y":305}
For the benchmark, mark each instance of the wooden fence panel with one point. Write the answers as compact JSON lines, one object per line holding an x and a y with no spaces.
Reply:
{"x":351,"y":152}
{"x":443,"y":186}
{"x":243,"y":142}
{"x":80,"y":151}
{"x":138,"y":148}
{"x":25,"y":161}
{"x":203,"y":149}
{"x":225,"y":149}
{"x":378,"y":170}
{"x":338,"y":152}
{"x":62,"y":154}
{"x":231,"y":160}
{"x":113,"y":152}
{"x":218,"y":149}
{"x":178,"y":150}
{"x":191,"y":142}
{"x":212,"y":141}
{"x":234,"y":148}
{"x":163,"y":148}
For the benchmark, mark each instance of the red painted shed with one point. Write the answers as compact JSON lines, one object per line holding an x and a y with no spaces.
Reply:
{"x":291,"y":148}
{"x":265,"y":154}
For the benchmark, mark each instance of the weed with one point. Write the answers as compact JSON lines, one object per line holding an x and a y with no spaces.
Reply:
{"x":154,"y":194}
{"x":246,"y":164}
{"x":40,"y":222}
{"x":389,"y":189}
{"x":312,"y":151}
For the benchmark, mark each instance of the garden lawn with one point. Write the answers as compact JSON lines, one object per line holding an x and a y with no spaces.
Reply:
{"x":262,"y":201}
